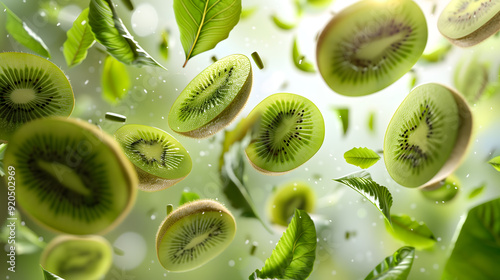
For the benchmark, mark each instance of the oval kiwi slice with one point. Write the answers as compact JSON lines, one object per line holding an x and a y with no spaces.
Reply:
{"x":371,"y":44}
{"x":194,"y":234}
{"x":78,"y":258}
{"x":71,"y":176}
{"x":287,"y":198}
{"x":213,"y":98}
{"x":468,"y":22}
{"x":160,"y":160}
{"x":427,"y":136}
{"x":289,"y":130}
{"x":31,"y":87}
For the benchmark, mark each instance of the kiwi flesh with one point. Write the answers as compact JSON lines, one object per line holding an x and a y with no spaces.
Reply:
{"x":466,"y":23}
{"x":427,"y":136}
{"x":70,"y":176}
{"x":213,"y":98}
{"x":159,"y":159}
{"x":78,"y":258}
{"x":31,"y":87}
{"x":371,"y":44}
{"x":445,"y":191}
{"x":287,"y":198}
{"x":289,"y":129}
{"x":194,"y":234}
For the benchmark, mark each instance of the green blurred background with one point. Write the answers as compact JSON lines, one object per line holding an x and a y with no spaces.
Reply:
{"x":339,"y":209}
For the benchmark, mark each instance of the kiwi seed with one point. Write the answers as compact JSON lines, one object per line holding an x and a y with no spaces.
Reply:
{"x":287,"y":198}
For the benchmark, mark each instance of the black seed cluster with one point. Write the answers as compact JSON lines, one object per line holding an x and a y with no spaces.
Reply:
{"x":461,"y":15}
{"x":136,"y":150}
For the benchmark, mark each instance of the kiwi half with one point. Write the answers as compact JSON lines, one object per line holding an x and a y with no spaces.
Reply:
{"x":288,"y":131}
{"x":159,"y":159}
{"x":71,"y":176}
{"x":78,"y":258}
{"x":31,"y":87}
{"x":468,"y":22}
{"x":371,"y":44}
{"x":213,"y":98}
{"x":194,"y":234}
{"x":287,"y":198}
{"x":427,"y":136}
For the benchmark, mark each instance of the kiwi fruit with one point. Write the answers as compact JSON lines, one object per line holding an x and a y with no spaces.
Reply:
{"x":371,"y":44}
{"x":289,"y":129}
{"x":71,"y":176}
{"x":78,"y":258}
{"x":31,"y":87}
{"x":194,"y":234}
{"x":287,"y":198}
{"x":443,"y":191}
{"x":427,"y":136}
{"x":159,"y":159}
{"x":213,"y":98}
{"x":466,"y":23}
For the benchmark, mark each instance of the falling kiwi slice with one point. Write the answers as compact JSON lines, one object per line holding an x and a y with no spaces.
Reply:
{"x":194,"y":234}
{"x":287,"y":198}
{"x":371,"y":44}
{"x":71,"y":176}
{"x":159,"y":159}
{"x":78,"y":258}
{"x":213,"y":98}
{"x":289,"y":130}
{"x":427,"y":136}
{"x":468,"y":22}
{"x":31,"y":87}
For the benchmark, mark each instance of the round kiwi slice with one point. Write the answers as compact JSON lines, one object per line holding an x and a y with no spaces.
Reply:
{"x":213,"y":98}
{"x":31,"y":87}
{"x":444,"y":191}
{"x":159,"y":159}
{"x":468,"y":22}
{"x":71,"y":176}
{"x":194,"y":234}
{"x":371,"y":44}
{"x":287,"y":198}
{"x":427,"y":136}
{"x":289,"y":130}
{"x":78,"y":258}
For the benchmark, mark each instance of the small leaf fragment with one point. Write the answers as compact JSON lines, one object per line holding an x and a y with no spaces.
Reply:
{"x":299,"y":60}
{"x":248,"y":12}
{"x":282,"y":24}
{"x":438,"y":53}
{"x":411,"y":232}
{"x":343,"y":115}
{"x":165,"y":34}
{"x":188,"y":197}
{"x":371,"y":122}
{"x":362,"y":157}
{"x":395,"y":267}
{"x":495,"y":162}
{"x":115,"y":80}
{"x":477,"y":191}
{"x":79,"y":39}
{"x":128,"y":4}
{"x":49,"y":275}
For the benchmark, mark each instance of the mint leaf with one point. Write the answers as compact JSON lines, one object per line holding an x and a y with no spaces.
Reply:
{"x":188,"y":197}
{"x":79,"y":39}
{"x":395,"y":267}
{"x":411,"y":232}
{"x":495,"y":162}
{"x":362,"y":157}
{"x":115,"y":80}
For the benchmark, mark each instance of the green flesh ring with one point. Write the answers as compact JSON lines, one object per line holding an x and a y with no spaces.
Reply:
{"x":71,"y":176}
{"x":421,"y":135}
{"x":371,"y":44}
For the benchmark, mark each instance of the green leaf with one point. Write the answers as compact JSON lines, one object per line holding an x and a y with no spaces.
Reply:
{"x":110,"y":31}
{"x":411,"y":232}
{"x":27,"y":241}
{"x":24,"y":35}
{"x":284,"y":25}
{"x":362,"y":157}
{"x":235,"y":135}
{"x":49,"y":275}
{"x":378,"y":195}
{"x":246,"y":13}
{"x":413,"y":78}
{"x":477,"y":191}
{"x":371,"y":122}
{"x":3,"y":146}
{"x":188,"y":197}
{"x":128,"y":4}
{"x":395,"y":267}
{"x":115,"y":80}
{"x":204,"y":23}
{"x":319,"y":3}
{"x":80,"y":39}
{"x":495,"y":162}
{"x":477,"y":249}
{"x":343,"y":115}
{"x":299,"y":60}
{"x":445,"y":192}
{"x":293,"y":257}
{"x":438,"y":53}
{"x":164,"y":44}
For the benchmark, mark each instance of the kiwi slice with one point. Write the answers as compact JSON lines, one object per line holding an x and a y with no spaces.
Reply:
{"x":468,"y":22}
{"x":287,"y":198}
{"x":78,"y":258}
{"x":371,"y":44}
{"x":289,"y":130}
{"x":213,"y":98}
{"x":194,"y":234}
{"x":31,"y":87}
{"x":427,"y":136}
{"x":443,"y":191}
{"x":159,"y":159}
{"x":71,"y":176}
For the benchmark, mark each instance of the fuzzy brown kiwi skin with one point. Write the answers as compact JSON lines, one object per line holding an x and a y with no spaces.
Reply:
{"x":464,"y":135}
{"x":152,"y":183}
{"x":226,"y":116}
{"x":476,"y":37}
